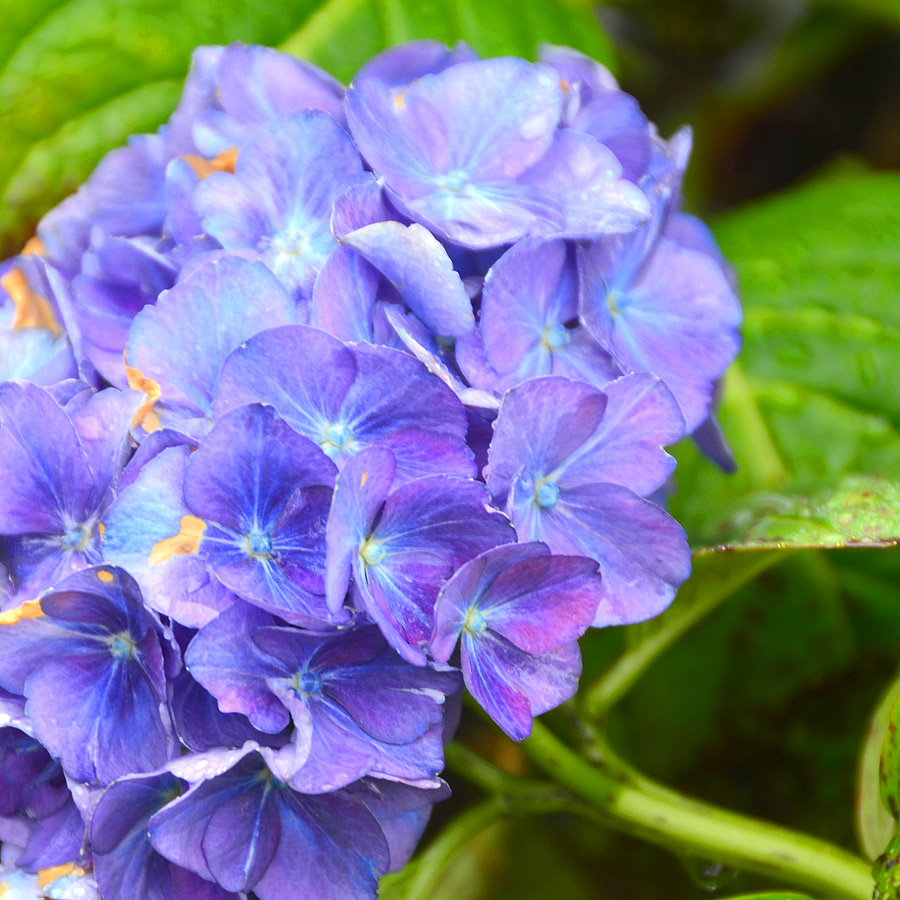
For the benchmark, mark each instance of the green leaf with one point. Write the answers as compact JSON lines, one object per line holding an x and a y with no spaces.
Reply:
{"x":78,"y":76}
{"x":874,"y":824}
{"x":889,"y":772}
{"x":344,"y":33}
{"x":859,"y":511}
{"x":813,"y":397}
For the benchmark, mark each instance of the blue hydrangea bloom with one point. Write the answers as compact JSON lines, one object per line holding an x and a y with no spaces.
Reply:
{"x":308,"y":401}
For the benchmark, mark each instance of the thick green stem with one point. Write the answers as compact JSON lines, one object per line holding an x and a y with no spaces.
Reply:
{"x":664,"y":817}
{"x":419,"y":880}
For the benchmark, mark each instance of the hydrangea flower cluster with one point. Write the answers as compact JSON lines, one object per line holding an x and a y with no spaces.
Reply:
{"x":315,"y":405}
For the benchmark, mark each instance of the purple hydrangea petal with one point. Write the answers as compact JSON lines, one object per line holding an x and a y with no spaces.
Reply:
{"x":529,"y":303}
{"x":344,"y":296}
{"x":398,"y":66}
{"x":615,"y":119}
{"x":264,"y":491}
{"x":149,"y":510}
{"x":415,"y":546}
{"x":202,"y":726}
{"x":359,"y":493}
{"x":413,"y":260}
{"x":450,"y":147}
{"x":583,"y":177}
{"x":93,"y":675}
{"x":279,"y":200}
{"x":361,"y":205}
{"x":339,"y":840}
{"x":125,"y":863}
{"x":223,"y":658}
{"x":679,"y":321}
{"x":546,"y":420}
{"x":347,"y":398}
{"x":119,"y":277}
{"x":255,"y":85}
{"x":402,"y":811}
{"x":187,"y":370}
{"x":536,"y":601}
{"x":642,"y":551}
{"x":48,"y":483}
{"x":57,"y":839}
{"x":514,"y":686}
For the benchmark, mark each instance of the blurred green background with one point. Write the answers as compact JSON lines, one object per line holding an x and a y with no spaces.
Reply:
{"x":762,"y":706}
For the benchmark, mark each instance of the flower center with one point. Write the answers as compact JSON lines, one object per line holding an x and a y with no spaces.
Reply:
{"x":555,"y":336}
{"x":336,"y":437}
{"x":372,"y":552}
{"x":258,"y":544}
{"x":121,"y":646}
{"x":475,"y":622}
{"x":546,"y":494}
{"x":307,"y":684}
{"x":77,"y":536}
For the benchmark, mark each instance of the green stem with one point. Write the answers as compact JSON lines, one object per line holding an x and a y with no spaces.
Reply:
{"x":697,"y":599}
{"x":420,"y":879}
{"x":664,"y":817}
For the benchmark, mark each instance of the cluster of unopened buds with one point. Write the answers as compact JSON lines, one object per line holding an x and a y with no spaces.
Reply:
{"x":317,"y":405}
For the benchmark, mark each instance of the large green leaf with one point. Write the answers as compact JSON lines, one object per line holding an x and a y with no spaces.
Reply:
{"x":78,"y":76}
{"x":813,"y":397}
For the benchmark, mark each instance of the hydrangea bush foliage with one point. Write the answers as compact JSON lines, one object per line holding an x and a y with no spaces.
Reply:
{"x":320,"y":407}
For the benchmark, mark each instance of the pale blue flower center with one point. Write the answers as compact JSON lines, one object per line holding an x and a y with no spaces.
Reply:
{"x":455,"y":181}
{"x":372,"y":552}
{"x":547,"y":494}
{"x":336,"y":436}
{"x":259,"y":544}
{"x":121,"y":646}
{"x":308,"y":683}
{"x":77,"y":536}
{"x":556,"y":336}
{"x":475,"y":622}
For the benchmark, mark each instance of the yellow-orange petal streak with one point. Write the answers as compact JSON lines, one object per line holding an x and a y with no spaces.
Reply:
{"x":33,"y":246}
{"x":187,"y":541}
{"x":31,"y":609}
{"x":224,"y":162}
{"x":146,"y":415}
{"x":32,"y":310}
{"x":48,"y":876}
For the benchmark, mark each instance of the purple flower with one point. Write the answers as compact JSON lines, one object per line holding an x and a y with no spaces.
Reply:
{"x":119,"y":277}
{"x":148,"y":512}
{"x":520,"y":612}
{"x":242,"y":827}
{"x":181,"y":373}
{"x":257,"y":495}
{"x":658,"y":306}
{"x":400,"y":65}
{"x":61,"y":470}
{"x":529,"y":322}
{"x":126,"y":865}
{"x":252,"y":86}
{"x":572,"y":465}
{"x":92,"y":663}
{"x":399,"y":547}
{"x":357,"y":708}
{"x":279,"y":200}
{"x":473,"y":153}
{"x":36,"y":807}
{"x":345,"y":398}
